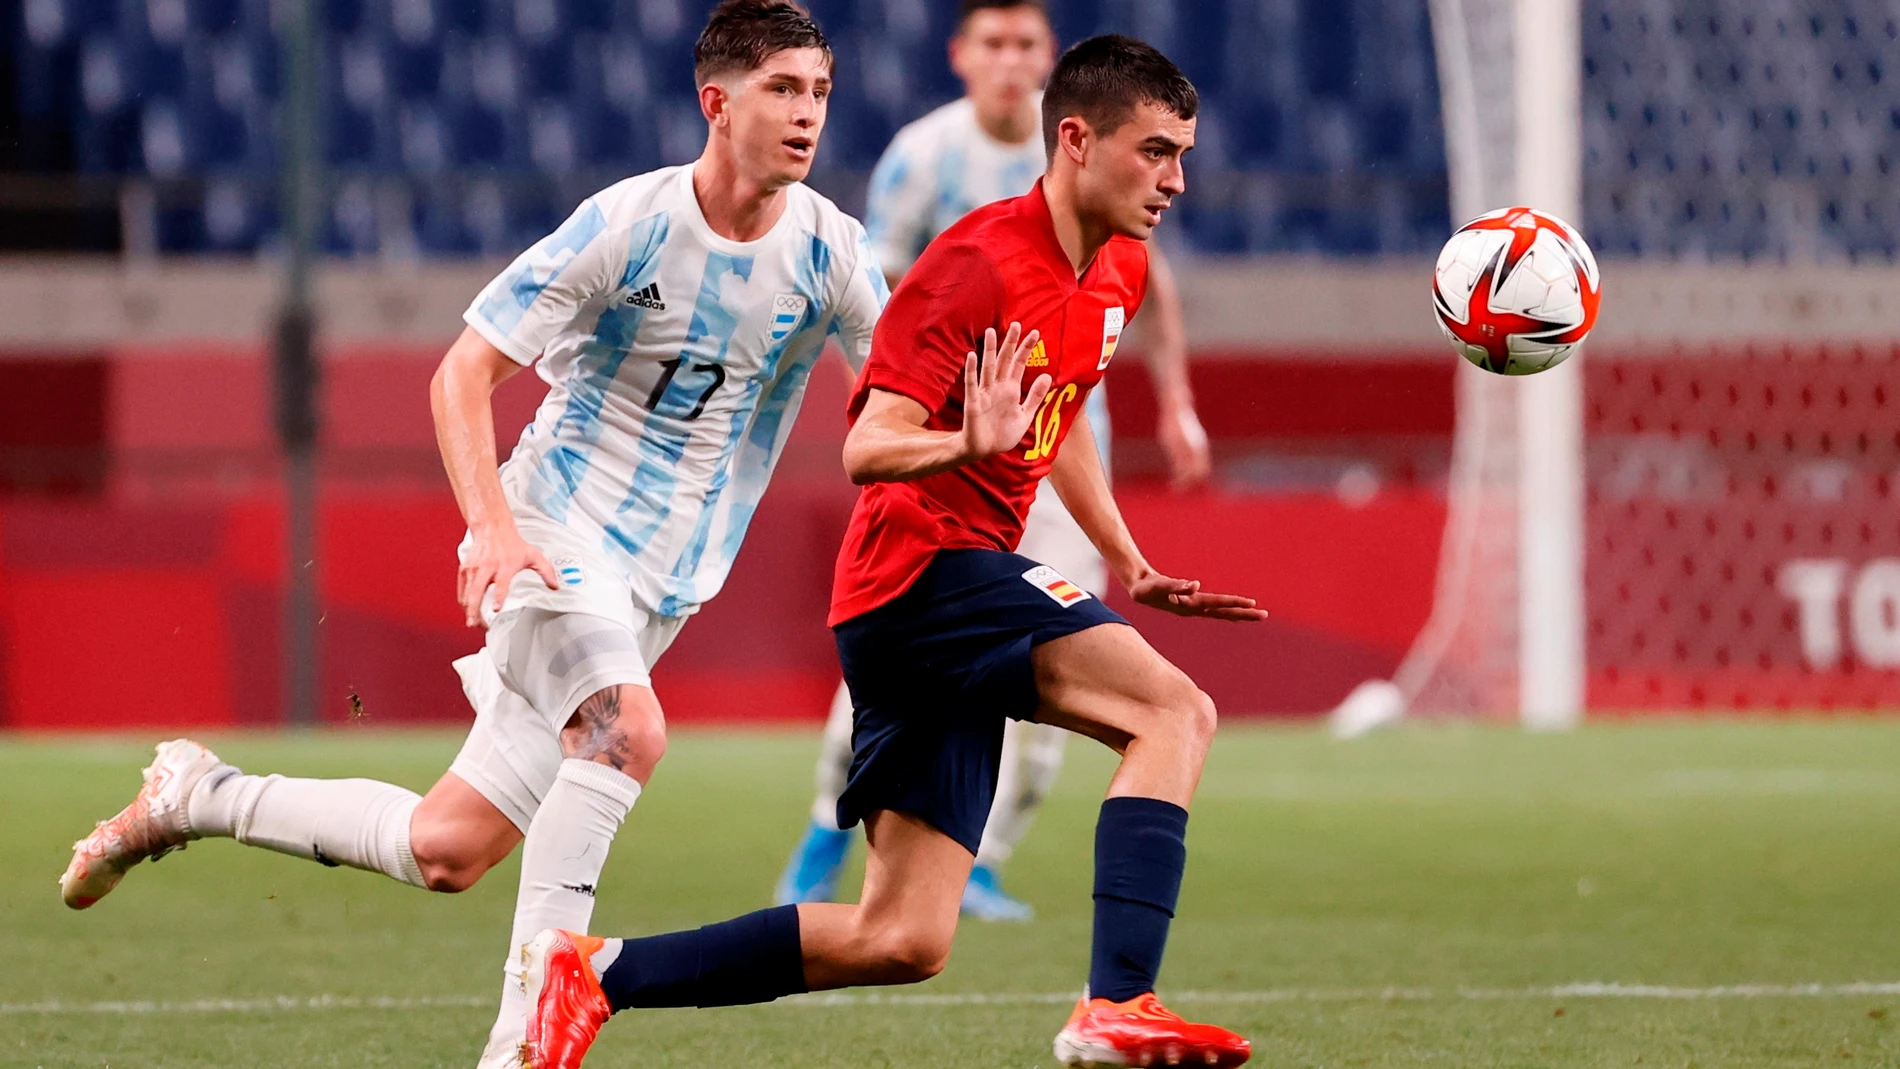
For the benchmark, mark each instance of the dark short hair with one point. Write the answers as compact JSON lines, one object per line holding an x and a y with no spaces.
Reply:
{"x":1104,"y":79}
{"x":971,"y":7}
{"x":741,"y":34}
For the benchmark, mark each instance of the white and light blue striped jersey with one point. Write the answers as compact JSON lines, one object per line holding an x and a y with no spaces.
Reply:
{"x":936,"y":171}
{"x":676,"y":361}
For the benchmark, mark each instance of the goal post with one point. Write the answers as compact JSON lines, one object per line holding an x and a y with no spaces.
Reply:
{"x":1549,"y":94}
{"x":1506,"y":632}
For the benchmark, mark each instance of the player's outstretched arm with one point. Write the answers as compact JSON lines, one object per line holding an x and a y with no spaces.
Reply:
{"x":460,"y":396}
{"x":1164,"y":343}
{"x":1082,"y":485}
{"x":890,"y":444}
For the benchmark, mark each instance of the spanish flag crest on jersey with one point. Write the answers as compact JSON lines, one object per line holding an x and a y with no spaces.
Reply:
{"x":1113,"y":320}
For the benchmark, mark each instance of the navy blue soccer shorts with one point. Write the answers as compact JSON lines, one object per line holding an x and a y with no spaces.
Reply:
{"x":935,"y":673}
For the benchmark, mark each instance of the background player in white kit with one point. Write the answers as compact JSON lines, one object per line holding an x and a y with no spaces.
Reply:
{"x":968,"y":153}
{"x":677,"y":316}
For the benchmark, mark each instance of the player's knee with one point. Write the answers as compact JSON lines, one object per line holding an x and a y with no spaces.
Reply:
{"x":1202,"y":717}
{"x":902,"y":953}
{"x":911,"y":957}
{"x":632,"y":740}
{"x":448,"y":879}
{"x":447,"y":864}
{"x":1183,"y":714}
{"x":645,"y":739}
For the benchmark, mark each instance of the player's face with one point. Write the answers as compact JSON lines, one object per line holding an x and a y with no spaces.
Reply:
{"x":1133,"y":175}
{"x":1003,"y":55}
{"x":776,"y":114}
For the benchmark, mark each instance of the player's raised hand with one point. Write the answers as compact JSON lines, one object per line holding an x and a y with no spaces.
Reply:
{"x":996,"y":411}
{"x":494,"y":559}
{"x":1184,"y":597}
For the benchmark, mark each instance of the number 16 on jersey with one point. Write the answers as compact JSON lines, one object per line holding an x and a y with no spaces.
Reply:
{"x":1049,"y":423}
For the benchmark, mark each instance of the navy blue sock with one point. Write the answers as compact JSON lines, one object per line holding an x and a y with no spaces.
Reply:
{"x":1140,"y":851}
{"x":754,"y":958}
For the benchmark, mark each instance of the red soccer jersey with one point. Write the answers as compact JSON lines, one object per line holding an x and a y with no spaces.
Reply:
{"x":1000,"y":264}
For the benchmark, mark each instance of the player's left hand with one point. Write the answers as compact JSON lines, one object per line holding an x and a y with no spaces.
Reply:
{"x":1184,"y":597}
{"x":1184,"y":442}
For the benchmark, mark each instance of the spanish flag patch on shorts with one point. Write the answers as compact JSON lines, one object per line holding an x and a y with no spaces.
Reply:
{"x":1051,"y":582}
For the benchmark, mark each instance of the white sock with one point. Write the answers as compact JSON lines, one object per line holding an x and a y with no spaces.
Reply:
{"x":608,"y":953}
{"x":1032,"y":757}
{"x":834,"y":761}
{"x":560,"y":867}
{"x":361,"y":823}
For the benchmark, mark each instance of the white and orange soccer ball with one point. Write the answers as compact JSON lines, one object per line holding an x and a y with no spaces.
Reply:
{"x":1516,"y":291}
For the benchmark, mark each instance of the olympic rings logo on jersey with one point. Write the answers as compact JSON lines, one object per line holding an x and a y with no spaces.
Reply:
{"x":1113,"y":320}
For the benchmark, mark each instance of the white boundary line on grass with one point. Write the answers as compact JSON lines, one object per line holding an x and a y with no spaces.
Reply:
{"x":244,"y":1005}
{"x":1384,"y":994}
{"x":1025,"y":998}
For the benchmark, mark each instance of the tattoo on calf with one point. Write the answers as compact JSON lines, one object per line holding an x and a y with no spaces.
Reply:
{"x":595,"y":731}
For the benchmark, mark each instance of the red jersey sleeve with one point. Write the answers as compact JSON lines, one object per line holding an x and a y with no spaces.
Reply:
{"x":936,"y":316}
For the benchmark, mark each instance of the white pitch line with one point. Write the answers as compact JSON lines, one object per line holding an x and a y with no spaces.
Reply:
{"x":1023,"y":998}
{"x":1386,"y":994}
{"x":244,"y":1005}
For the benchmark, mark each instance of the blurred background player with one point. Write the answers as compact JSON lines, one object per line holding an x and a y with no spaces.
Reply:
{"x":677,"y":316}
{"x":945,"y":633}
{"x":970,"y":152}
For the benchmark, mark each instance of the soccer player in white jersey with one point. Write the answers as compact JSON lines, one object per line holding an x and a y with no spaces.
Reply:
{"x":973,"y":151}
{"x":676,"y":317}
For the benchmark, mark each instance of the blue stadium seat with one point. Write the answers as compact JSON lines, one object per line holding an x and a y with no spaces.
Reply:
{"x":85,"y":18}
{"x":215,"y":17}
{"x":1199,"y":30}
{"x":351,"y":137}
{"x":1212,"y":228}
{"x":1300,"y":95}
{"x":1257,"y":135}
{"x":236,"y":216}
{"x":546,"y":69}
{"x":156,"y":70}
{"x":439,"y":228}
{"x":669,"y":67}
{"x":414,"y":71}
{"x":608,"y":139}
{"x":180,"y":228}
{"x":582,"y":17}
{"x":343,"y":18}
{"x":1388,"y":135}
{"x":463,"y":17}
{"x":352,"y":226}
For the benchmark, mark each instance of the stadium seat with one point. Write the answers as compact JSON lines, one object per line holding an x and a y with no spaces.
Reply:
{"x":586,"y":91}
{"x":236,"y":215}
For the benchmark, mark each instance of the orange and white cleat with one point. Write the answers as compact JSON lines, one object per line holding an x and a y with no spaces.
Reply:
{"x":154,"y":824}
{"x":1143,"y":1032}
{"x":566,"y":1006}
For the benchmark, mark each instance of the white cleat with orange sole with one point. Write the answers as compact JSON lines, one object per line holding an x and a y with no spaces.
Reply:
{"x":154,"y":824}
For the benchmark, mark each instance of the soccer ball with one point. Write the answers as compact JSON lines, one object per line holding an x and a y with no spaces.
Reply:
{"x":1516,"y":291}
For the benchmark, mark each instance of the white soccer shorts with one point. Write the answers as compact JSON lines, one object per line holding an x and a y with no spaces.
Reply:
{"x":547,"y":651}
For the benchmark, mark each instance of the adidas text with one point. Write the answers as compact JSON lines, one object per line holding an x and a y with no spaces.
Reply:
{"x":648,"y":298}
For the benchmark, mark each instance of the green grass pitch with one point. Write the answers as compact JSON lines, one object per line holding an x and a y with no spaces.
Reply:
{"x":1420,"y":898}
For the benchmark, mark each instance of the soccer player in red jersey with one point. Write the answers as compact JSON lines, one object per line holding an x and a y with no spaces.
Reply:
{"x":943,"y":631}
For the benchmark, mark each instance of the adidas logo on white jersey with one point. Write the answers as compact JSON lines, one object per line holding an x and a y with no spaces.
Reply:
{"x":648,"y":298}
